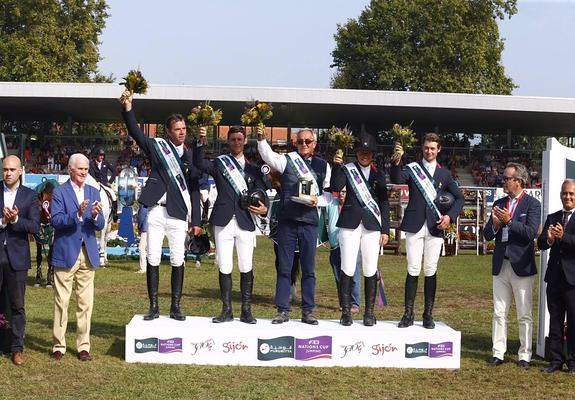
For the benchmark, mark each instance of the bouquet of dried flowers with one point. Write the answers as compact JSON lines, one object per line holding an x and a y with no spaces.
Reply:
{"x":204,"y":115}
{"x":256,"y":114}
{"x":341,"y":139}
{"x":135,"y":82}
{"x":404,"y":135}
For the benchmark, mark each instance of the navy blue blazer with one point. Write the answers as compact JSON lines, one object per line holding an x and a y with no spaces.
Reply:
{"x":520,"y":245}
{"x":417,"y":211}
{"x":157,"y":183}
{"x":16,"y":235}
{"x":69,"y":231}
{"x":562,"y":254}
{"x":352,"y":212}
{"x":101,"y":175}
{"x":227,"y":202}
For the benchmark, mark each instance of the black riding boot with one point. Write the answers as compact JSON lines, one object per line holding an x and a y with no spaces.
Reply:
{"x":345,"y":299}
{"x":370,"y":283}
{"x":226,"y":294}
{"x":39,"y":277}
{"x":50,"y":273}
{"x":410,"y":291}
{"x":177,"y":284}
{"x":246,"y":288}
{"x":429,"y":295}
{"x":152,"y":278}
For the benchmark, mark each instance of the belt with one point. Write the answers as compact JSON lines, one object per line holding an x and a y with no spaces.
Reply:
{"x":161,"y":204}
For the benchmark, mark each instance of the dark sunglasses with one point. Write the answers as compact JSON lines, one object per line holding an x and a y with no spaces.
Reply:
{"x":306,"y":141}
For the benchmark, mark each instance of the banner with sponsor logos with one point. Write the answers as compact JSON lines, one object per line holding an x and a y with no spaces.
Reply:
{"x":199,"y":341}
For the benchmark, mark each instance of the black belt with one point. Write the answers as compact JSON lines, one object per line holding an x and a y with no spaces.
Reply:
{"x":161,"y":204}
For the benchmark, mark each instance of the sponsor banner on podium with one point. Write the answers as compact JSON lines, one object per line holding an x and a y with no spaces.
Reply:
{"x":199,"y":341}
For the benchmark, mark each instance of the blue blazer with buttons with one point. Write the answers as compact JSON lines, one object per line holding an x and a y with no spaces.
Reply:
{"x":352,"y":212}
{"x":562,"y":254}
{"x":16,"y":235}
{"x":69,"y":231}
{"x":158,"y":181}
{"x":228,"y":201}
{"x":418,"y":212}
{"x":520,"y":245}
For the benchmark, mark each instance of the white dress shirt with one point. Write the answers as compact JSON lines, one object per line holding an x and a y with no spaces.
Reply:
{"x":278,"y":162}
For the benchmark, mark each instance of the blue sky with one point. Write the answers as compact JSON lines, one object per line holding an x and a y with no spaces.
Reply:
{"x":289,"y":44}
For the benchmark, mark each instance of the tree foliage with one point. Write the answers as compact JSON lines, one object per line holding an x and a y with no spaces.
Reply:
{"x":422,"y":45}
{"x":51,"y":40}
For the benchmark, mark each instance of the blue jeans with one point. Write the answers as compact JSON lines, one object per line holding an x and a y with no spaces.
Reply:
{"x":304,"y":236}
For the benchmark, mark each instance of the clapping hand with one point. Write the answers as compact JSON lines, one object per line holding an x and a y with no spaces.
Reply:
{"x":10,"y":215}
{"x":555,"y":232}
{"x":96,"y":208}
{"x":501,"y":215}
{"x":82,"y":208}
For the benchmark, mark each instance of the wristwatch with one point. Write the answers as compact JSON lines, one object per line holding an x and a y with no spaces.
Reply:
{"x":509,"y":223}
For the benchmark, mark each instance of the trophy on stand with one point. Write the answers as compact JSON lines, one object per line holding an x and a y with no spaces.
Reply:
{"x":304,"y":190}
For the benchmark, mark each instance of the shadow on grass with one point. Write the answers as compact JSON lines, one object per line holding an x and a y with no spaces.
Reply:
{"x":100,"y":329}
{"x":117,"y":349}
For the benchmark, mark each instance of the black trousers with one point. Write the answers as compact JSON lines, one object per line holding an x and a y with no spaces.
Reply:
{"x":561,"y":303}
{"x":15,"y":284}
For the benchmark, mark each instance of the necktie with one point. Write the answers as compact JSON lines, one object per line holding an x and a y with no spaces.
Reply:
{"x":566,"y":215}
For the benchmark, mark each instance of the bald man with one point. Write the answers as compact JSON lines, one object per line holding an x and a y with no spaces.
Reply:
{"x":20,"y":216}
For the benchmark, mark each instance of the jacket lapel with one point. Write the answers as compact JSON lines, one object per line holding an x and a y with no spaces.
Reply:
{"x":71,"y":193}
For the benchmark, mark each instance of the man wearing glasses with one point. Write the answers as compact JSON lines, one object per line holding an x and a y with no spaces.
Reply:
{"x":514,"y":224}
{"x":297,"y":221}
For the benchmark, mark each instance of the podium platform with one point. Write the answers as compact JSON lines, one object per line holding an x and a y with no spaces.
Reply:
{"x":199,"y":341}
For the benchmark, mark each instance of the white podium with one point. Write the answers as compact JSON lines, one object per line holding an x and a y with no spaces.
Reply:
{"x":199,"y":341}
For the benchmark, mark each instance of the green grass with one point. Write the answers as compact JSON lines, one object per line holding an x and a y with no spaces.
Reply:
{"x":463,"y":302}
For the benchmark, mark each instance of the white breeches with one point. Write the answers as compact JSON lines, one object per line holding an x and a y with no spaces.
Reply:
{"x":351,"y":241}
{"x":161,"y":225}
{"x":228,"y":236}
{"x":422,"y":245}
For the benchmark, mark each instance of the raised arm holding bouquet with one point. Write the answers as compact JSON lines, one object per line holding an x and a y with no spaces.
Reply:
{"x":341,"y":139}
{"x":202,"y":117}
{"x":135,"y":83}
{"x":404,"y":139}
{"x":256,"y":114}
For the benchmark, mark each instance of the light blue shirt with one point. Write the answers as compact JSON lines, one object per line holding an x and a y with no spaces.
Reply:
{"x":332,"y":215}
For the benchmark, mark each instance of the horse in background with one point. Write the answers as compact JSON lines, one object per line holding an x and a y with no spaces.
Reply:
{"x":45,"y":237}
{"x":108,"y":200}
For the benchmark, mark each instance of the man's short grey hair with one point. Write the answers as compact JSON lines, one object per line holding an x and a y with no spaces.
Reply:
{"x":308,"y":130}
{"x":520,"y":172}
{"x":567,"y":181}
{"x":76,"y":158}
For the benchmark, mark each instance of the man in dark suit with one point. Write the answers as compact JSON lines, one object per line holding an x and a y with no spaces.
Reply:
{"x":363,"y":224}
{"x":422,"y":223}
{"x":232,"y":220}
{"x":172,"y":197}
{"x":99,"y":168}
{"x":76,"y":216}
{"x":20,"y":217}
{"x":514,"y":224}
{"x":298,"y":223}
{"x":559,"y":235}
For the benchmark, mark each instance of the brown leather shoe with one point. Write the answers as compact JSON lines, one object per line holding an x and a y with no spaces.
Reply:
{"x":57,"y":355}
{"x":84,"y":356}
{"x":17,"y":358}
